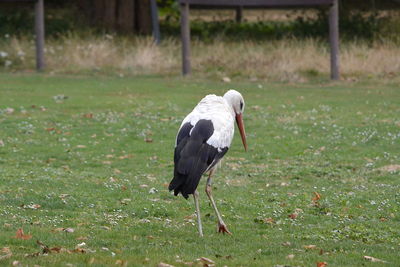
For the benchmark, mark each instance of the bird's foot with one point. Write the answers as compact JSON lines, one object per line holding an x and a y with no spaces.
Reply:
{"x":222,"y":229}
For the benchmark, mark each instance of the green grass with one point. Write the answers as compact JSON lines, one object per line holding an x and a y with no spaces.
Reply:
{"x":303,"y":138}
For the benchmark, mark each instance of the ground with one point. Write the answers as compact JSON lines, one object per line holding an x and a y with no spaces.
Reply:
{"x":85,"y":162}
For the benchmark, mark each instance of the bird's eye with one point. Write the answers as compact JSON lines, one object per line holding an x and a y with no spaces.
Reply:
{"x":241,"y":105}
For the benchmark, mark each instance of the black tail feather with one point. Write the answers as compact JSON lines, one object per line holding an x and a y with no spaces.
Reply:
{"x":192,"y":157}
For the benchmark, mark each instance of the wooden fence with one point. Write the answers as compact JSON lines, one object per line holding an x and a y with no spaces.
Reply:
{"x":239,"y":4}
{"x":39,"y":30}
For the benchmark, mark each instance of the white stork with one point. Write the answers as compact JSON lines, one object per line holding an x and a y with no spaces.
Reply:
{"x":203,"y":139}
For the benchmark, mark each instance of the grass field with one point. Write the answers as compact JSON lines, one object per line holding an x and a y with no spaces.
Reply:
{"x":86,"y":159}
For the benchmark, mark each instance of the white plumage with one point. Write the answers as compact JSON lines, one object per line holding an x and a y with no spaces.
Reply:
{"x":222,"y":116}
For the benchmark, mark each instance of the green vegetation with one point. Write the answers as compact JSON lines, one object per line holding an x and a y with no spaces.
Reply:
{"x":94,"y":154}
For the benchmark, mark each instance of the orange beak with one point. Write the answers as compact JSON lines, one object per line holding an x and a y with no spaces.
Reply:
{"x":239,"y":121}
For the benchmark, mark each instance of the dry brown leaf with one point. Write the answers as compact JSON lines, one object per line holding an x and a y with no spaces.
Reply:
{"x":20,"y":235}
{"x":88,"y":115}
{"x":16,"y":263}
{"x":310,"y":246}
{"x":322,"y":264}
{"x":78,"y":250}
{"x":316,"y":197}
{"x":121,"y":262}
{"x":148,"y":140}
{"x":290,"y":256}
{"x":6,"y":250}
{"x":60,"y":229}
{"x":7,"y":253}
{"x":373,"y":259}
{"x":162,"y":264}
{"x":207,"y":261}
{"x":56,"y":249}
{"x":80,"y":238}
{"x":293,"y":216}
{"x":269,"y":220}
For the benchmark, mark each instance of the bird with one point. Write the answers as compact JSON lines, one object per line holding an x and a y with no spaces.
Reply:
{"x":203,"y":139}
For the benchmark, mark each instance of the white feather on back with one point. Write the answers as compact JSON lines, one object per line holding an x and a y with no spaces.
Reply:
{"x":216,"y":109}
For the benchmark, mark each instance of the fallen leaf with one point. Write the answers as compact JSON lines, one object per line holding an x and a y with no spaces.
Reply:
{"x":390,"y":168}
{"x":290,"y":256}
{"x":310,"y":246}
{"x":286,"y":244}
{"x":88,"y":115}
{"x":322,"y":264}
{"x":205,"y":260}
{"x":269,"y":220}
{"x":80,"y":238}
{"x":9,"y":110}
{"x":226,"y":79}
{"x":56,"y":249}
{"x":121,"y":262}
{"x":31,"y":206}
{"x":148,"y":140}
{"x":1,"y":143}
{"x":7,"y":252}
{"x":293,"y":216}
{"x":78,"y":250}
{"x":125,"y":156}
{"x":162,"y":264}
{"x":373,"y":259}
{"x":316,"y":197}
{"x":81,"y":245}
{"x":16,"y":263}
{"x":69,"y":230}
{"x":20,"y":235}
{"x":125,"y":201}
{"x":81,"y":146}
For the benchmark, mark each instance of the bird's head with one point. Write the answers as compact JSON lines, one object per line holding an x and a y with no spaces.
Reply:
{"x":235,"y":99}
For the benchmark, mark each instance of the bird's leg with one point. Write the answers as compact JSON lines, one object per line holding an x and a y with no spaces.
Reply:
{"x":221,"y":225}
{"x":196,"y":203}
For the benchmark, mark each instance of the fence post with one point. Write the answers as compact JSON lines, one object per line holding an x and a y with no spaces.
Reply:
{"x":239,"y":14}
{"x":39,"y":32}
{"x":155,"y":23}
{"x":334,"y":39}
{"x":185,"y":36}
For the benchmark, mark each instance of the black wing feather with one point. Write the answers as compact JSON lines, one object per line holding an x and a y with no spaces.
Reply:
{"x":193,"y":156}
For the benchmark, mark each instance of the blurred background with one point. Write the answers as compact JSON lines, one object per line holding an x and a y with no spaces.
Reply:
{"x":114,"y":36}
